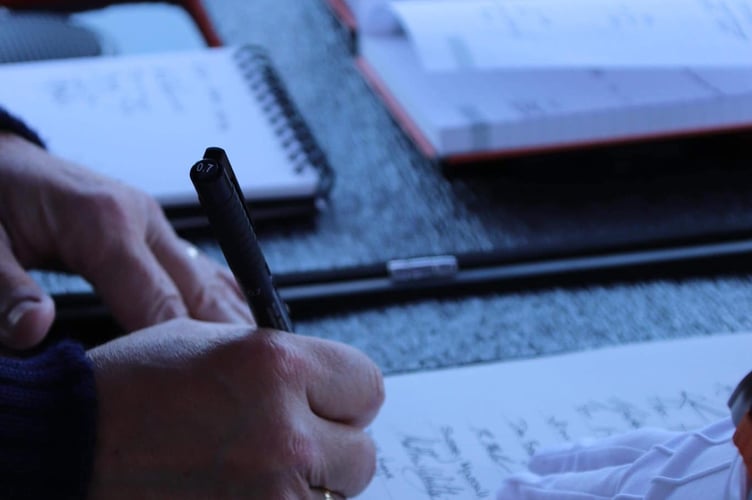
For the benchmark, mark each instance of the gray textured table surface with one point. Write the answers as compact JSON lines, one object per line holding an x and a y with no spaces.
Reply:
{"x":389,"y":202}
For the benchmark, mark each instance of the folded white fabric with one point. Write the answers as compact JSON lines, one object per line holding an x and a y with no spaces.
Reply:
{"x":646,"y":464}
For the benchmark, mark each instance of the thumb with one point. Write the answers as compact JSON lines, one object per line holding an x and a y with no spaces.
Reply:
{"x":26,"y":312}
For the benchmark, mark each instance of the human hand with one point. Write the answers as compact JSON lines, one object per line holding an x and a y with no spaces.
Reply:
{"x":644,"y":464}
{"x":194,"y":410}
{"x":55,"y":214}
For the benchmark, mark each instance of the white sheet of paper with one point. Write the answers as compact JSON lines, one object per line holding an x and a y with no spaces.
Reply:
{"x":486,"y":34}
{"x":502,"y":110}
{"x":454,"y":434}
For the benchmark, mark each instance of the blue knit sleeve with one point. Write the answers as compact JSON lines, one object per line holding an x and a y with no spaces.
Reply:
{"x":10,"y":123}
{"x":47,"y":424}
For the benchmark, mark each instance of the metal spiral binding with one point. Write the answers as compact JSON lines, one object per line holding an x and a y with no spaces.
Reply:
{"x":287,"y":122}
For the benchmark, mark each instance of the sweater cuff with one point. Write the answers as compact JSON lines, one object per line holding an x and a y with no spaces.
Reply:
{"x":10,"y":123}
{"x":47,"y":424}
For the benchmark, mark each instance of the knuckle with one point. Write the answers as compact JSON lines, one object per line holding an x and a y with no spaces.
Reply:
{"x":378,"y":392}
{"x":168,"y":305}
{"x":151,"y":205}
{"x":207,"y":299}
{"x":276,"y":351}
{"x":104,"y":222}
{"x":293,"y":451}
{"x":203,"y":297}
{"x":367,"y":455}
{"x":299,"y":450}
{"x":372,"y":394}
{"x":295,"y":488}
{"x":108,"y":207}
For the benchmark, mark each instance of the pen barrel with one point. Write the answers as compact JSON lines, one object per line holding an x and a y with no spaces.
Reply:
{"x":233,"y":229}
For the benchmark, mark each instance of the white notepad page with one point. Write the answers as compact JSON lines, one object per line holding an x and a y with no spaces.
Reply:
{"x":455,"y":434}
{"x":493,"y":34}
{"x":508,"y":110}
{"x":145,"y":119}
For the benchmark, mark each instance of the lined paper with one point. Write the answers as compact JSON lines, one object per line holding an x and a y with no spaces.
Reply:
{"x":455,"y":434}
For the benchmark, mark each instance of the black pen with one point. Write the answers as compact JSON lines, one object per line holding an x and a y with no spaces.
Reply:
{"x":223,"y":201}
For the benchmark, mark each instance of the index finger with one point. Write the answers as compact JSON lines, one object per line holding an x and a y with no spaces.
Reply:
{"x":345,"y":386}
{"x":209,"y":291}
{"x":133,"y":284}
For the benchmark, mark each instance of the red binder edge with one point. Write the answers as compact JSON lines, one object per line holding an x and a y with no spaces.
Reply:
{"x":401,"y":116}
{"x":196,"y":10}
{"x":406,"y":123}
{"x":343,"y":13}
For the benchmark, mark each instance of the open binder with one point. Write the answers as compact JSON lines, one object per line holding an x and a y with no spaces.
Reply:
{"x":459,"y":108}
{"x":142,"y":119}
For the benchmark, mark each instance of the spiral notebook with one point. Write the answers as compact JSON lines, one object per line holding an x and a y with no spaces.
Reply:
{"x":145,"y":119}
